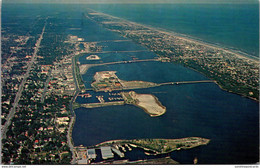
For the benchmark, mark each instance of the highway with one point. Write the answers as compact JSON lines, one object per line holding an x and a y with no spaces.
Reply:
{"x":72,"y":121}
{"x":73,"y":116}
{"x":21,"y":87}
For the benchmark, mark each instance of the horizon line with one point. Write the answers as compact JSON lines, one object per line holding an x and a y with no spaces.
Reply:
{"x":130,"y":2}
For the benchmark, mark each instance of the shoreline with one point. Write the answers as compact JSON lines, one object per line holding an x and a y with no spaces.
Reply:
{"x":200,"y":42}
{"x":157,"y":102}
{"x":194,"y":41}
{"x":219,"y":85}
{"x":146,"y":107}
{"x":206,"y":43}
{"x":236,"y":54}
{"x":170,"y":143}
{"x":187,"y":38}
{"x":147,"y":102}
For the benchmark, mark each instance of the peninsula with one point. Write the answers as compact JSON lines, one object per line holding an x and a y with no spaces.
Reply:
{"x":149,"y":103}
{"x":88,"y":155}
{"x":108,"y":81}
{"x":160,"y":146}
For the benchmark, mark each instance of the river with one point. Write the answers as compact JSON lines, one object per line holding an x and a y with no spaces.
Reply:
{"x":229,"y":120}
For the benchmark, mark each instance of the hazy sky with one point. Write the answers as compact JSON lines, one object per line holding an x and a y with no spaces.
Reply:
{"x":130,"y":1}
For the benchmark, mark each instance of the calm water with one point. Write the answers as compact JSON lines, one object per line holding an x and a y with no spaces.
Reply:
{"x":229,"y":120}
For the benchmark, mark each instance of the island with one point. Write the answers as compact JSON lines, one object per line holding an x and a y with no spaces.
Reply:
{"x":93,"y":57}
{"x":149,"y":103}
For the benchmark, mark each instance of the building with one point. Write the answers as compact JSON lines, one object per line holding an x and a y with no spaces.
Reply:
{"x":106,"y":152}
{"x":91,"y":153}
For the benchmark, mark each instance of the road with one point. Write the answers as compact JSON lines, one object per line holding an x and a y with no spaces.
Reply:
{"x":85,"y":67}
{"x":74,"y":72}
{"x":162,"y":84}
{"x":117,"y":51}
{"x":73,"y":116}
{"x":46,"y":85}
{"x":186,"y":82}
{"x":21,"y":87}
{"x":72,"y":121}
{"x":106,"y":41}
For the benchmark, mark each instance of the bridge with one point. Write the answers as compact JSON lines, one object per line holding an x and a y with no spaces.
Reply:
{"x":167,"y":83}
{"x":186,"y":82}
{"x":106,"y":41}
{"x":125,"y":51}
{"x":125,"y":62}
{"x":85,"y":67}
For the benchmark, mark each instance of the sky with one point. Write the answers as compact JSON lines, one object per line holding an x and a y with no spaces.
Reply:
{"x":129,"y":1}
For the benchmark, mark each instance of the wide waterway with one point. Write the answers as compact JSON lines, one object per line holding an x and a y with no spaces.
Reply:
{"x":229,"y":120}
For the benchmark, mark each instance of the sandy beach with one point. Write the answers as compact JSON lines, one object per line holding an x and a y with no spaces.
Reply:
{"x":176,"y":35}
{"x":149,"y":103}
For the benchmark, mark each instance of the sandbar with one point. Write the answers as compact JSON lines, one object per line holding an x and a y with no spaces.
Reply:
{"x":93,"y":57}
{"x":149,"y":103}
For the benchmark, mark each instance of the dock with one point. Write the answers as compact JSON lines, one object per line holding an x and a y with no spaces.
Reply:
{"x":118,"y":152}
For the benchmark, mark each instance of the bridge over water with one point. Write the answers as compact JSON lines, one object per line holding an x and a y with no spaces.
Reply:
{"x":85,"y":67}
{"x":186,"y":82}
{"x":169,"y":83}
{"x":100,"y":52}
{"x":105,"y":41}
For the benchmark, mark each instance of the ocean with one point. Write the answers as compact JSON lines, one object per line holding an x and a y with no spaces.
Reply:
{"x":234,"y":26}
